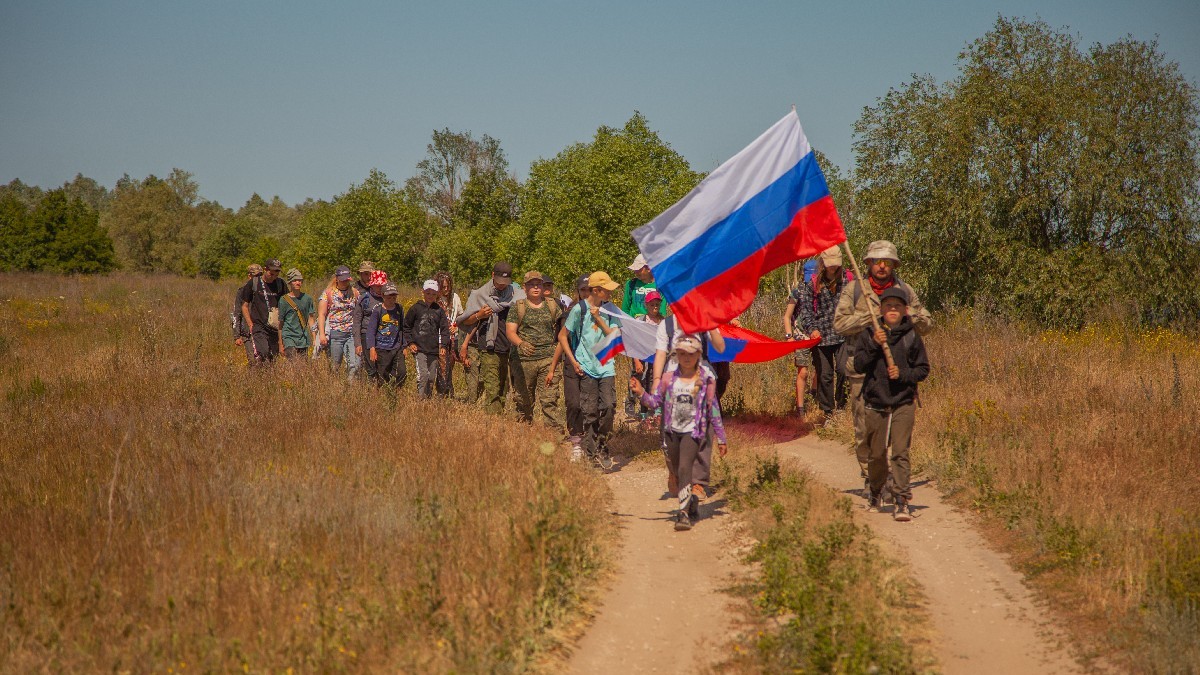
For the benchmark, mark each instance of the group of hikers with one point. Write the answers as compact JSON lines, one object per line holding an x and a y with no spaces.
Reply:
{"x":536,"y":342}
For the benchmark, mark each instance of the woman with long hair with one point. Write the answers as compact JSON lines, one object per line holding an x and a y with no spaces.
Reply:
{"x":335,"y":320}
{"x":453,"y":305}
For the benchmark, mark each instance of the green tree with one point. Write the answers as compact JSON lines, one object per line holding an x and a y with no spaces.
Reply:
{"x":157,"y":224}
{"x":1048,"y":180}
{"x":20,"y":245}
{"x":486,"y":213}
{"x":452,"y":158}
{"x":75,"y":242}
{"x":577,"y":209}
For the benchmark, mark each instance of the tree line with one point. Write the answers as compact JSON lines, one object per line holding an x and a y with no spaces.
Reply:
{"x":1046,"y":181}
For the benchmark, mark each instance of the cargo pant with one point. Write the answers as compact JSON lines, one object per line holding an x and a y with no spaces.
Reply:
{"x":530,"y":378}
{"x":266,"y":343}
{"x":493,"y":370}
{"x":473,"y":387}
{"x":890,"y":429}
{"x":831,"y":377}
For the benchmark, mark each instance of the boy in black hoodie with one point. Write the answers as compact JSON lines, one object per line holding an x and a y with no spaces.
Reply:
{"x":427,"y":332}
{"x":888,"y":396}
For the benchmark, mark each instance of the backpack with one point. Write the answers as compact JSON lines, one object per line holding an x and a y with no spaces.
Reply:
{"x":573,"y":336}
{"x":522,"y":306}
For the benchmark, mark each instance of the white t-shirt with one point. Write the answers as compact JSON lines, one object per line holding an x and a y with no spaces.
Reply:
{"x":683,"y":408}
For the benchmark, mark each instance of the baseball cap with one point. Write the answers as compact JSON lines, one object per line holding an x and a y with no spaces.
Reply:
{"x":638,"y":263}
{"x":430,"y":285}
{"x":832,"y":256}
{"x":254,"y":270}
{"x":602,"y":280}
{"x":272,"y":264}
{"x":366,"y":266}
{"x":582,"y":282}
{"x":502,"y":269}
{"x":653,"y":295}
{"x":547,"y":281}
{"x":342,"y":273}
{"x":294,"y":275}
{"x":687,"y":343}
{"x":894,"y":292}
{"x":534,"y":275}
{"x":378,"y":278}
{"x":390,"y":289}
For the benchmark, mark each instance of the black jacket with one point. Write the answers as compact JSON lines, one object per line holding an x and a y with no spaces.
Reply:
{"x":908,"y":351}
{"x":427,"y":327}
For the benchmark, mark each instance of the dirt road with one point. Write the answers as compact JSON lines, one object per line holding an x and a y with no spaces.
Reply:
{"x":664,"y":612}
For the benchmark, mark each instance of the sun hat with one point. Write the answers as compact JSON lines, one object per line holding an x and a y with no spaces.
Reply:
{"x":602,"y":280}
{"x":687,"y":343}
{"x":882,"y":250}
{"x":342,"y":273}
{"x":378,"y":278}
{"x":431,"y":285}
{"x":638,"y":263}
{"x":294,"y":275}
{"x":366,"y":266}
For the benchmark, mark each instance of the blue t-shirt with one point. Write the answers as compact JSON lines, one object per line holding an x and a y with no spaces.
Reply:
{"x":588,"y":337}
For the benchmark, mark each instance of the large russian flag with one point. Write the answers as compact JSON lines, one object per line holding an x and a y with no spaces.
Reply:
{"x":766,"y":207}
{"x":743,"y":345}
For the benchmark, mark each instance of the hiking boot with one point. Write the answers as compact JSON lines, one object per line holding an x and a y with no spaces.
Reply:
{"x":902,"y":513}
{"x":693,"y":509}
{"x":682,"y":521}
{"x":874,"y":501}
{"x":800,"y":412}
{"x":698,"y":494}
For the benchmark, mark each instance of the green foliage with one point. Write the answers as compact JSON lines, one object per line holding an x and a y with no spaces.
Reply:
{"x":60,"y":234}
{"x":485,"y":215}
{"x":156,"y":224}
{"x":372,"y":221}
{"x":577,"y":210}
{"x":1051,"y":182}
{"x":451,"y":160}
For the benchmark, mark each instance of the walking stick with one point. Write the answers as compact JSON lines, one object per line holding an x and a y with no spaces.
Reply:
{"x":876,"y":321}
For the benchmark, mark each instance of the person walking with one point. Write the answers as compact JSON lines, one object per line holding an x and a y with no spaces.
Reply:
{"x":335,"y":320}
{"x":531,"y":327}
{"x":597,"y":389}
{"x":260,"y":311}
{"x":572,"y":372}
{"x":427,"y":332}
{"x":452,"y":304}
{"x":644,"y":370}
{"x":691,"y":416}
{"x":241,"y":331}
{"x":816,"y":302}
{"x":366,"y":269}
{"x":634,"y":303}
{"x":296,"y":313}
{"x":485,"y":315}
{"x":889,"y":393}
{"x":384,"y":338}
{"x":855,"y":313}
{"x":367,"y":302}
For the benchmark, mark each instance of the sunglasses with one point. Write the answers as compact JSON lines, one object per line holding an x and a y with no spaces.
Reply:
{"x":884,"y":263}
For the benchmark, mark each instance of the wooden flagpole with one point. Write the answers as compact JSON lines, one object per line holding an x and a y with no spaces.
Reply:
{"x":876,"y":321}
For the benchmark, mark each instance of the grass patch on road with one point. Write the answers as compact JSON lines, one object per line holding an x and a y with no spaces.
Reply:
{"x":824,"y":597}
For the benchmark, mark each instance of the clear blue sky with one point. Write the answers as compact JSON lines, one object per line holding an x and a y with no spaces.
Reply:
{"x":301,"y":99}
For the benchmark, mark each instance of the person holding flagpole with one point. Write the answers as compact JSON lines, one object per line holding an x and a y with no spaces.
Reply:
{"x":587,"y":328}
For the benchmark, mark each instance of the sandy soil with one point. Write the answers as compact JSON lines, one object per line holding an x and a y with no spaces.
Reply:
{"x":665,"y":613}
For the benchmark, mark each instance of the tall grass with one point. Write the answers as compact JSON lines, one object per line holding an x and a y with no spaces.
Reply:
{"x":165,"y":508}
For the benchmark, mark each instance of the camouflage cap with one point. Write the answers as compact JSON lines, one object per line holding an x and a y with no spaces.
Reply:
{"x":882,"y":250}
{"x":366,"y":266}
{"x":254,"y":270}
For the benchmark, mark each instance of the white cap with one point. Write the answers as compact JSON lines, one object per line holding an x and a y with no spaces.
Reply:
{"x":430,"y":285}
{"x":638,"y":263}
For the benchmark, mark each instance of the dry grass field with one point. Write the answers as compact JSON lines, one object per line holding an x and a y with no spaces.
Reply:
{"x":166,"y":510}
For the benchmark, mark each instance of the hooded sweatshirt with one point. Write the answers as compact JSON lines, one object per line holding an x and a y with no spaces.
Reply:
{"x":908,"y":351}
{"x":426,"y":326}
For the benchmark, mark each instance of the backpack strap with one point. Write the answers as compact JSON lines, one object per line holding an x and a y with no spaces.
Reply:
{"x":303,"y":320}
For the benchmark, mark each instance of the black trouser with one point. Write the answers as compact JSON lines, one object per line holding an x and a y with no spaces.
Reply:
{"x":266,"y":343}
{"x":722,"y":370}
{"x":365,"y":359}
{"x":683,"y":455}
{"x":831,"y":377}
{"x":598,"y":399}
{"x":389,"y":368}
{"x":291,"y":353}
{"x":571,"y":400}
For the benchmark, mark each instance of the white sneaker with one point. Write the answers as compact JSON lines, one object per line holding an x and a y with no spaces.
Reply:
{"x":576,"y":453}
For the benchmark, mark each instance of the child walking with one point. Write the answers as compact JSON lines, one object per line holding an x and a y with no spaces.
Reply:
{"x":688,"y":396}
{"x":889,"y":395}
{"x":384,"y":337}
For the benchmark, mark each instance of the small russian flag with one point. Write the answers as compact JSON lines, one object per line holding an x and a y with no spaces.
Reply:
{"x":609,"y":347}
